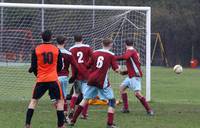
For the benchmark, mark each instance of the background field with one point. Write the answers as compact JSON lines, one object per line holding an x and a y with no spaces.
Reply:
{"x":176,"y":101}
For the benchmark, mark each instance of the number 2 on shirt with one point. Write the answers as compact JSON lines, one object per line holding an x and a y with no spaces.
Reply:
{"x":80,"y":57}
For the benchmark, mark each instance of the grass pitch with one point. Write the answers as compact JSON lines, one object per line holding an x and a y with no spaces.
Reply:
{"x":175,"y":99}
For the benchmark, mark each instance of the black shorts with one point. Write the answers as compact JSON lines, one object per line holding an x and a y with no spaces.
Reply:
{"x":54,"y":89}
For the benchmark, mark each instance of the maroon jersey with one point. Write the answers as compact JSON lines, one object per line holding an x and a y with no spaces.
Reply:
{"x":67,"y":60}
{"x":132,"y":62}
{"x":100,"y":63}
{"x":82,"y":54}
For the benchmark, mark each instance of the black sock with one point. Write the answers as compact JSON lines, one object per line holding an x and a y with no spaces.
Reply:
{"x":61,"y":117}
{"x":29,"y":115}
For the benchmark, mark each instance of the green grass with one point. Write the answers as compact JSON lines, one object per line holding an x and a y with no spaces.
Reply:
{"x":175,"y":99}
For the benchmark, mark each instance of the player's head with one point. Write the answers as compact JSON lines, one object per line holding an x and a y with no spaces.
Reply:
{"x":61,"y":40}
{"x":46,"y":35}
{"x":78,"y":37}
{"x":129,"y":43}
{"x":107,"y":43}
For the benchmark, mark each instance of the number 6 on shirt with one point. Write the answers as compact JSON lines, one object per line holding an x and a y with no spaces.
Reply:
{"x":100,"y":61}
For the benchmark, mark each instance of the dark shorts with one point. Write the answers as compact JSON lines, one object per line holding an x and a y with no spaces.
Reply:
{"x":54,"y":89}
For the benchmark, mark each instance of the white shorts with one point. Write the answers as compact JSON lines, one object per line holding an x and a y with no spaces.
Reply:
{"x":133,"y":83}
{"x":91,"y":92}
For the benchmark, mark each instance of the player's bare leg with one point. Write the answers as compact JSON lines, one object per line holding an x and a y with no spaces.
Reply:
{"x":110,"y":116}
{"x":78,"y":112}
{"x":54,"y":103}
{"x":143,"y":101}
{"x":32,"y":105}
{"x":124,"y":98}
{"x":60,"y":113}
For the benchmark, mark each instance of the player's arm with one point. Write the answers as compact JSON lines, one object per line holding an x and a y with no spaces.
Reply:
{"x":90,"y":53}
{"x":117,"y":68}
{"x":33,"y":67}
{"x":124,"y":72}
{"x":90,"y":63}
{"x":119,"y":58}
{"x":125,"y":56}
{"x":120,"y":71}
{"x":74,"y":69}
{"x":136,"y":59}
{"x":59,"y":62}
{"x":115,"y":65}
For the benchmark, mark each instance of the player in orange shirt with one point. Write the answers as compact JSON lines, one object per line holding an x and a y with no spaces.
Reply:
{"x":46,"y":60}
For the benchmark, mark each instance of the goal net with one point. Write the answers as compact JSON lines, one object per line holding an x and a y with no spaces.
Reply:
{"x":22,"y":24}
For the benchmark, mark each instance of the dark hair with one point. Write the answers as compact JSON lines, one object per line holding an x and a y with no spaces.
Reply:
{"x":78,"y":37}
{"x":107,"y":42}
{"x":129,"y":42}
{"x":60,"y":40}
{"x":46,"y":35}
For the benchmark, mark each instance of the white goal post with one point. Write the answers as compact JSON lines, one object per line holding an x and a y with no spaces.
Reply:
{"x":22,"y":22}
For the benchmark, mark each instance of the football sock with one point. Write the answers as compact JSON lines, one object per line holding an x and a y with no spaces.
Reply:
{"x":85,"y":110}
{"x":65,"y":106}
{"x":73,"y":102}
{"x":61,"y":117}
{"x":77,"y":113}
{"x":110,"y":118}
{"x":144,"y":103}
{"x":29,"y":115}
{"x":125,"y":100}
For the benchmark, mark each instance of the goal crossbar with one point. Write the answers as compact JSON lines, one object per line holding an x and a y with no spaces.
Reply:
{"x":59,"y":6}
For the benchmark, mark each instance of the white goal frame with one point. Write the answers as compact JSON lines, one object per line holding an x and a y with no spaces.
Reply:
{"x":94,"y":7}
